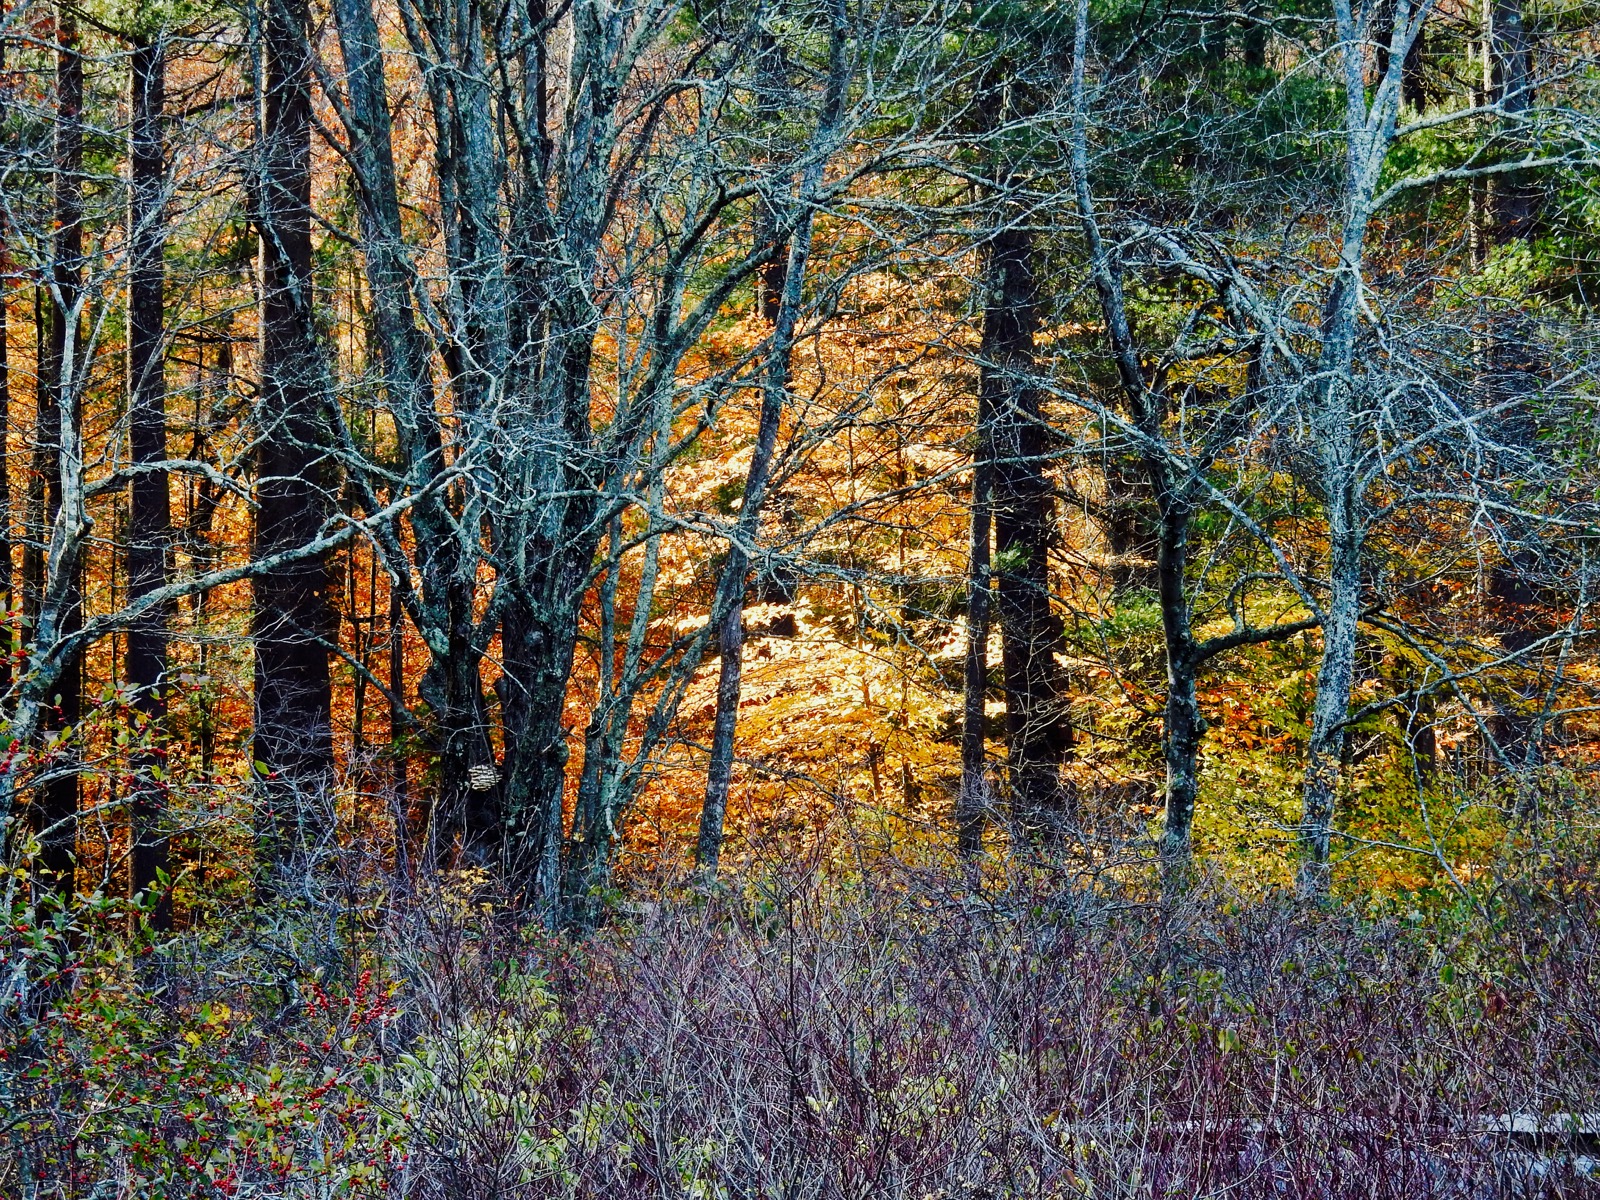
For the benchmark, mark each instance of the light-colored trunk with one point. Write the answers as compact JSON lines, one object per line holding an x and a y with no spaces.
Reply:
{"x":1369,"y":130}
{"x":775,"y":390}
{"x":972,"y":803}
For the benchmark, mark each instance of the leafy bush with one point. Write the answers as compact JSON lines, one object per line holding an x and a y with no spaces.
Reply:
{"x":910,"y":1034}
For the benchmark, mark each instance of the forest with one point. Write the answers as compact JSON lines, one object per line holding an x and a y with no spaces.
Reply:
{"x":805,"y":599}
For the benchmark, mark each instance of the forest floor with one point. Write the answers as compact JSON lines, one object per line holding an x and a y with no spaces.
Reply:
{"x":906,"y":1032}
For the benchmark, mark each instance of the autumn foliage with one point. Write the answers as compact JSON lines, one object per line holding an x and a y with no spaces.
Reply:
{"x":798,"y":598}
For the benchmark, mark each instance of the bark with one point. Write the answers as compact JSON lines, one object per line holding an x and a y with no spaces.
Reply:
{"x":1183,"y":724}
{"x":1416,"y":721}
{"x":399,"y":785}
{"x":1513,"y":199}
{"x":769,"y":81}
{"x":1338,"y":469}
{"x":775,"y":391}
{"x":1369,"y":128}
{"x":1253,"y":42}
{"x":593,"y":817}
{"x":150,"y":513}
{"x":1513,"y":586}
{"x":1412,"y":83}
{"x":527,"y":832}
{"x":292,"y":622}
{"x":972,"y":803}
{"x":1039,"y":733}
{"x":1129,"y":529}
{"x":1330,"y":710}
{"x":56,"y":805}
{"x":443,"y":608}
{"x":7,"y":579}
{"x":1513,"y":370}
{"x":719,"y":770}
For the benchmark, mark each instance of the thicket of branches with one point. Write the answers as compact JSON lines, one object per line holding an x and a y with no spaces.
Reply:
{"x":502,"y":452}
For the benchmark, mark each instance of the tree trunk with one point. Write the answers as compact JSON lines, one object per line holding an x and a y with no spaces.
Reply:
{"x":7,"y":579}
{"x":56,"y":815}
{"x":450,"y":686}
{"x":528,"y":827}
{"x":1514,"y":365}
{"x":1513,"y":198}
{"x":1038,"y":731}
{"x":972,"y":804}
{"x":731,"y":588}
{"x":775,"y":392}
{"x":719,"y":771}
{"x":292,"y":621}
{"x":770,"y":69}
{"x":1335,"y":681}
{"x":1338,"y":469}
{"x":1369,"y":135}
{"x":1411,"y":77}
{"x":150,"y":512}
{"x":1182,"y":726}
{"x":1128,"y":527}
{"x":399,"y":789}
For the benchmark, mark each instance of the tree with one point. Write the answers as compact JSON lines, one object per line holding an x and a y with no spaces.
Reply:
{"x":562,"y":231}
{"x":59,"y":458}
{"x":1176,"y":455}
{"x":775,"y":387}
{"x":291,"y":622}
{"x":1381,"y":396}
{"x":972,"y":800}
{"x":1012,"y":491}
{"x":150,"y":516}
{"x":1038,"y":724}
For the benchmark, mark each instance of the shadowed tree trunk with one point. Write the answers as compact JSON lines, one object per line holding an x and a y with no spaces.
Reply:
{"x":7,"y":581}
{"x":150,"y":512}
{"x":1412,"y":83}
{"x":56,"y":807}
{"x":1514,"y":197}
{"x":1513,"y":369}
{"x":1039,"y":733}
{"x":770,"y":69}
{"x":399,"y":789}
{"x":291,"y":619}
{"x":1128,"y":523}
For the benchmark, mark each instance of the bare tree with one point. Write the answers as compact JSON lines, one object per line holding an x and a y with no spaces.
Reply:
{"x":775,"y":388}
{"x":588,"y":211}
{"x":1349,"y":400}
{"x":59,"y":455}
